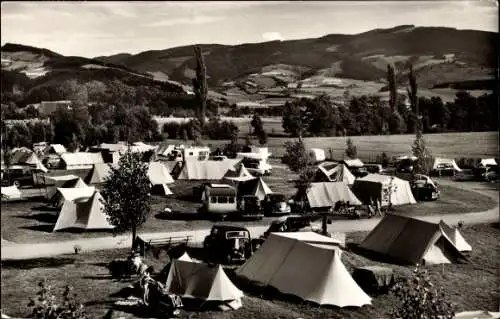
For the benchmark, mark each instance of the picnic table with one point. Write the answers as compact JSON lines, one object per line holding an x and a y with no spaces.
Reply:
{"x":374,"y":278}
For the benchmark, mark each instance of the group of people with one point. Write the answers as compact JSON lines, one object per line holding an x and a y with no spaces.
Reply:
{"x":373,"y":207}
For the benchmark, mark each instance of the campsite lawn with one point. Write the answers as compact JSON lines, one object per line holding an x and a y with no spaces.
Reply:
{"x":470,"y":286}
{"x":27,"y":222}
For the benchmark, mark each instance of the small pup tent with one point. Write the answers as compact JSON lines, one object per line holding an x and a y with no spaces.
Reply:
{"x":11,"y":193}
{"x":326,"y":195}
{"x":477,"y":315}
{"x":159,"y":178}
{"x":456,"y":237}
{"x":239,"y":174}
{"x":24,"y":156}
{"x":338,"y":173}
{"x":284,"y":262}
{"x":377,"y":186}
{"x":83,"y":211}
{"x":256,"y":187}
{"x":487,"y":161}
{"x":200,"y":281}
{"x":411,"y":241}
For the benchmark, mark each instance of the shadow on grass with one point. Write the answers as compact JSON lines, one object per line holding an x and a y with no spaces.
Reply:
{"x":373,"y":256}
{"x":176,"y":215}
{"x":41,"y":228}
{"x":42,"y":217}
{"x":46,"y":208}
{"x":37,"y":263}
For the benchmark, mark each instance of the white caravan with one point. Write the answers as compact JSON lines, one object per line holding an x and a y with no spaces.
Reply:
{"x":256,"y":161}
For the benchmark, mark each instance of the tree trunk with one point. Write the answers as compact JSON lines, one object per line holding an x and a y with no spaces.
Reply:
{"x":134,"y":235}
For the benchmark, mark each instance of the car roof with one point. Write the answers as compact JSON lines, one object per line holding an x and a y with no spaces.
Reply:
{"x":229,"y":228}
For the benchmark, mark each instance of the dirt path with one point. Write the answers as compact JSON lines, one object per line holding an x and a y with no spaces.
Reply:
{"x":12,"y":250}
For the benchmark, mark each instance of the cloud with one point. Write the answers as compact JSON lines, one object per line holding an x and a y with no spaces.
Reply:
{"x":179,"y":21}
{"x":272,"y":36}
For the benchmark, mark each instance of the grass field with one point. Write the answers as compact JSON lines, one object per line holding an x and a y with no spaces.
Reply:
{"x":28,"y":222}
{"x":469,"y":286}
{"x":448,"y":145}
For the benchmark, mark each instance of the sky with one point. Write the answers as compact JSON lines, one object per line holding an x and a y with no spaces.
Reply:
{"x":92,"y":29}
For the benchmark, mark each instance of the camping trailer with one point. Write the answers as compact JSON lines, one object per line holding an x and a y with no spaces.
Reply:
{"x":256,"y":161}
{"x":183,"y":153}
{"x":317,"y":155}
{"x":219,"y":199}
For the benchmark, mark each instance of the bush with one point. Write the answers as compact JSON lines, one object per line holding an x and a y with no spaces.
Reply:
{"x":45,"y":305}
{"x":419,"y":298}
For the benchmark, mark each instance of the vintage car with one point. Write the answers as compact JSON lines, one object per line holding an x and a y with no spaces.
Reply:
{"x":291,"y":223}
{"x":488,"y":173}
{"x":249,"y":207}
{"x":21,"y":176}
{"x":444,"y":169}
{"x":424,"y":188}
{"x":228,"y":244}
{"x":275,"y":204}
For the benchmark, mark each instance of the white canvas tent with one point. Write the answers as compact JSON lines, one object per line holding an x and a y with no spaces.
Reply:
{"x":205,"y":170}
{"x":353,"y":162}
{"x":339,"y":173}
{"x":487,"y":161}
{"x":185,"y":257}
{"x":238,"y":174}
{"x":24,"y":156}
{"x":439,"y":160}
{"x":256,"y":187}
{"x":69,"y":191}
{"x":99,"y":173}
{"x":456,"y":237}
{"x":200,"y":281}
{"x":284,"y":262}
{"x":159,"y":178}
{"x":83,"y":212}
{"x":411,"y":241}
{"x":81,"y":160}
{"x":11,"y":193}
{"x":322,"y":195}
{"x":376,"y":186}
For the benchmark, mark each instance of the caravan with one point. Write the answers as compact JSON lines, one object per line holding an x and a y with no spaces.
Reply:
{"x":218,"y":199}
{"x":183,"y":153}
{"x":256,"y":161}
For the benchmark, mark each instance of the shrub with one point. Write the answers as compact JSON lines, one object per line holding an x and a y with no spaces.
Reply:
{"x":351,"y":150}
{"x":419,"y":299}
{"x":45,"y":305}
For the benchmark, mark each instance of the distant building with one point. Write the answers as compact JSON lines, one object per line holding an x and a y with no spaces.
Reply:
{"x":46,"y":108}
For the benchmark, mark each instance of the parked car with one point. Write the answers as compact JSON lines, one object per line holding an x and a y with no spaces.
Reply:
{"x":258,"y":167}
{"x":424,"y":188}
{"x":228,"y":244}
{"x":490,"y":173}
{"x":249,"y":207}
{"x":405,"y":165}
{"x":276,"y":204}
{"x":374,"y":168}
{"x":21,"y":176}
{"x":291,"y":223}
{"x":359,"y":171}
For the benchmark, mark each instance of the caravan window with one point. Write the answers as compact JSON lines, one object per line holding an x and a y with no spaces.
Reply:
{"x":222,"y":200}
{"x":190,"y":154}
{"x":213,"y":199}
{"x":231,"y":200}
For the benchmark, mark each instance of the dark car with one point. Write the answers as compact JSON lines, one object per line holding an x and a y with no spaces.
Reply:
{"x":228,"y":244}
{"x":359,"y":171}
{"x":489,"y":173}
{"x":423,"y":188}
{"x":292,"y":223}
{"x":405,"y":165}
{"x":22,"y":176}
{"x":249,"y":207}
{"x":276,"y":204}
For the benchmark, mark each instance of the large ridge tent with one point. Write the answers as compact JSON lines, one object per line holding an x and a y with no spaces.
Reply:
{"x":256,"y":187}
{"x":455,"y":236}
{"x":326,"y":195}
{"x":377,"y":186}
{"x":239,"y":174}
{"x":83,"y":212}
{"x":11,"y":193}
{"x":411,"y":241}
{"x":339,"y":173}
{"x":81,"y":160}
{"x":195,"y":280}
{"x":205,"y":170}
{"x":284,"y":262}
{"x":439,"y":160}
{"x":24,"y":156}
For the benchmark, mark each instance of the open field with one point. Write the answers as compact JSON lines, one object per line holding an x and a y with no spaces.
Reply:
{"x":449,"y":145}
{"x":88,"y":275}
{"x":28,"y":222}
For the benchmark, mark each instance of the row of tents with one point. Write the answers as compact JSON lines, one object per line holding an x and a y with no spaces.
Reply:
{"x":326,"y":281}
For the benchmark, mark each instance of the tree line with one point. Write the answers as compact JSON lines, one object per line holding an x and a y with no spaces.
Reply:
{"x":369,"y":115}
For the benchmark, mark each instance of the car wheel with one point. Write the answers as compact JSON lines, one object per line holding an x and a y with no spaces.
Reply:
{"x":17,"y":183}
